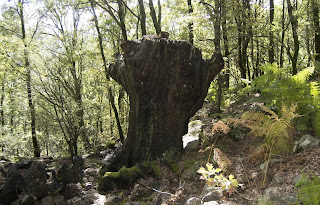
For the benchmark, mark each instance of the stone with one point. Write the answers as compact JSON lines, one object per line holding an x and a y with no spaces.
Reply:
{"x":35,"y":180}
{"x":113,"y":200}
{"x":271,"y":191}
{"x":211,"y":203}
{"x":93,"y":197}
{"x":26,"y":200}
{"x":192,"y":146}
{"x":193,"y":201}
{"x":133,"y":203}
{"x":71,"y":172}
{"x":122,"y":178}
{"x":277,"y":180}
{"x":13,"y":185}
{"x":191,"y":139}
{"x":76,"y":200}
{"x":91,"y":171}
{"x":306,"y":141}
{"x":213,"y":196}
{"x":264,"y":164}
{"x":71,"y":191}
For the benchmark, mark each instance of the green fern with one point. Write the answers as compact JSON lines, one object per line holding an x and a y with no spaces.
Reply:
{"x":309,"y":190}
{"x":278,"y":88}
{"x":267,"y":123}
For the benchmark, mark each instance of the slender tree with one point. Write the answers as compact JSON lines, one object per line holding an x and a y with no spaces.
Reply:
{"x":28,"y":80}
{"x":110,"y":92}
{"x":142,"y":17}
{"x":156,"y":21}
{"x":271,"y":42}
{"x":315,"y":13}
{"x":283,"y":30}
{"x":294,"y":26}
{"x":190,"y":24}
{"x":2,"y":105}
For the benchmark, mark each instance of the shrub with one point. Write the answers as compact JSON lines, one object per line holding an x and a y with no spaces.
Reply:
{"x":309,"y":190}
{"x":214,"y":179}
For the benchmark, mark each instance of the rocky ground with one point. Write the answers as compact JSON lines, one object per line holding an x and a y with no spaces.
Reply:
{"x":63,"y":181}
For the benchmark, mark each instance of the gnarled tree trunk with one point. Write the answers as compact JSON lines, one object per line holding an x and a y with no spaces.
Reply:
{"x":167,"y":82}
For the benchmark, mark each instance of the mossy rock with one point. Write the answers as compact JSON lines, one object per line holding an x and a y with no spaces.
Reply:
{"x":156,"y":169}
{"x":120,"y":179}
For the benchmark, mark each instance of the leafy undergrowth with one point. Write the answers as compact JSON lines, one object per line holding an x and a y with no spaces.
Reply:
{"x":179,"y":179}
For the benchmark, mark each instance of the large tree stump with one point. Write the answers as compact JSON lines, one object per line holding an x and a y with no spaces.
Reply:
{"x":167,"y":82}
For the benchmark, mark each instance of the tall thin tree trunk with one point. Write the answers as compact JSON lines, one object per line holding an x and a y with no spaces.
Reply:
{"x":294,"y":27}
{"x":225,"y":39}
{"x":28,"y":81}
{"x":190,"y":24}
{"x":315,"y":11}
{"x":121,"y":14}
{"x":282,"y":34}
{"x":142,"y":17}
{"x":155,"y":20}
{"x":159,"y":13}
{"x":79,"y":112}
{"x":111,"y":96}
{"x":271,"y":42}
{"x":307,"y":38}
{"x":2,"y":106}
{"x":217,"y":38}
{"x":240,"y":47}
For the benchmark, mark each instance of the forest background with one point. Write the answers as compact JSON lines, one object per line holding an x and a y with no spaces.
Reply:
{"x":57,"y":99}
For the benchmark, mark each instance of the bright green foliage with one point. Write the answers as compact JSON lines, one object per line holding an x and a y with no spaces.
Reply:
{"x":214,"y":179}
{"x":278,"y":88}
{"x":275,"y":129}
{"x":309,"y":190}
{"x":272,"y":74}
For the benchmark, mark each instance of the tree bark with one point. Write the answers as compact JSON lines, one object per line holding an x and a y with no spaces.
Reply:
{"x":217,"y":22}
{"x":282,"y":34}
{"x":167,"y":82}
{"x":36,"y":148}
{"x":225,"y":39}
{"x":190,"y":24}
{"x":271,"y":42}
{"x":155,"y":20}
{"x":294,"y":27}
{"x":110,"y":92}
{"x":2,"y":106}
{"x":121,"y":15}
{"x":142,"y":18}
{"x":316,"y":24}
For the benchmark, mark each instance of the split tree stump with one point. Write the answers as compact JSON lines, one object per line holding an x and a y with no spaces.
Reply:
{"x":167,"y":82}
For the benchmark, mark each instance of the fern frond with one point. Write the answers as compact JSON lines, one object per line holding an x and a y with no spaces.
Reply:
{"x":269,"y":124}
{"x":315,"y":89}
{"x":303,"y":76}
{"x":220,"y":126}
{"x":273,"y":115}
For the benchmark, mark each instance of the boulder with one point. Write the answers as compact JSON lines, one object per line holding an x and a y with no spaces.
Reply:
{"x":113,"y":200}
{"x":124,"y":177}
{"x":193,"y":201}
{"x":35,"y":180}
{"x":12,"y":187}
{"x":191,"y":139}
{"x":306,"y":141}
{"x":71,"y":172}
{"x":274,"y":194}
{"x":210,"y":195}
